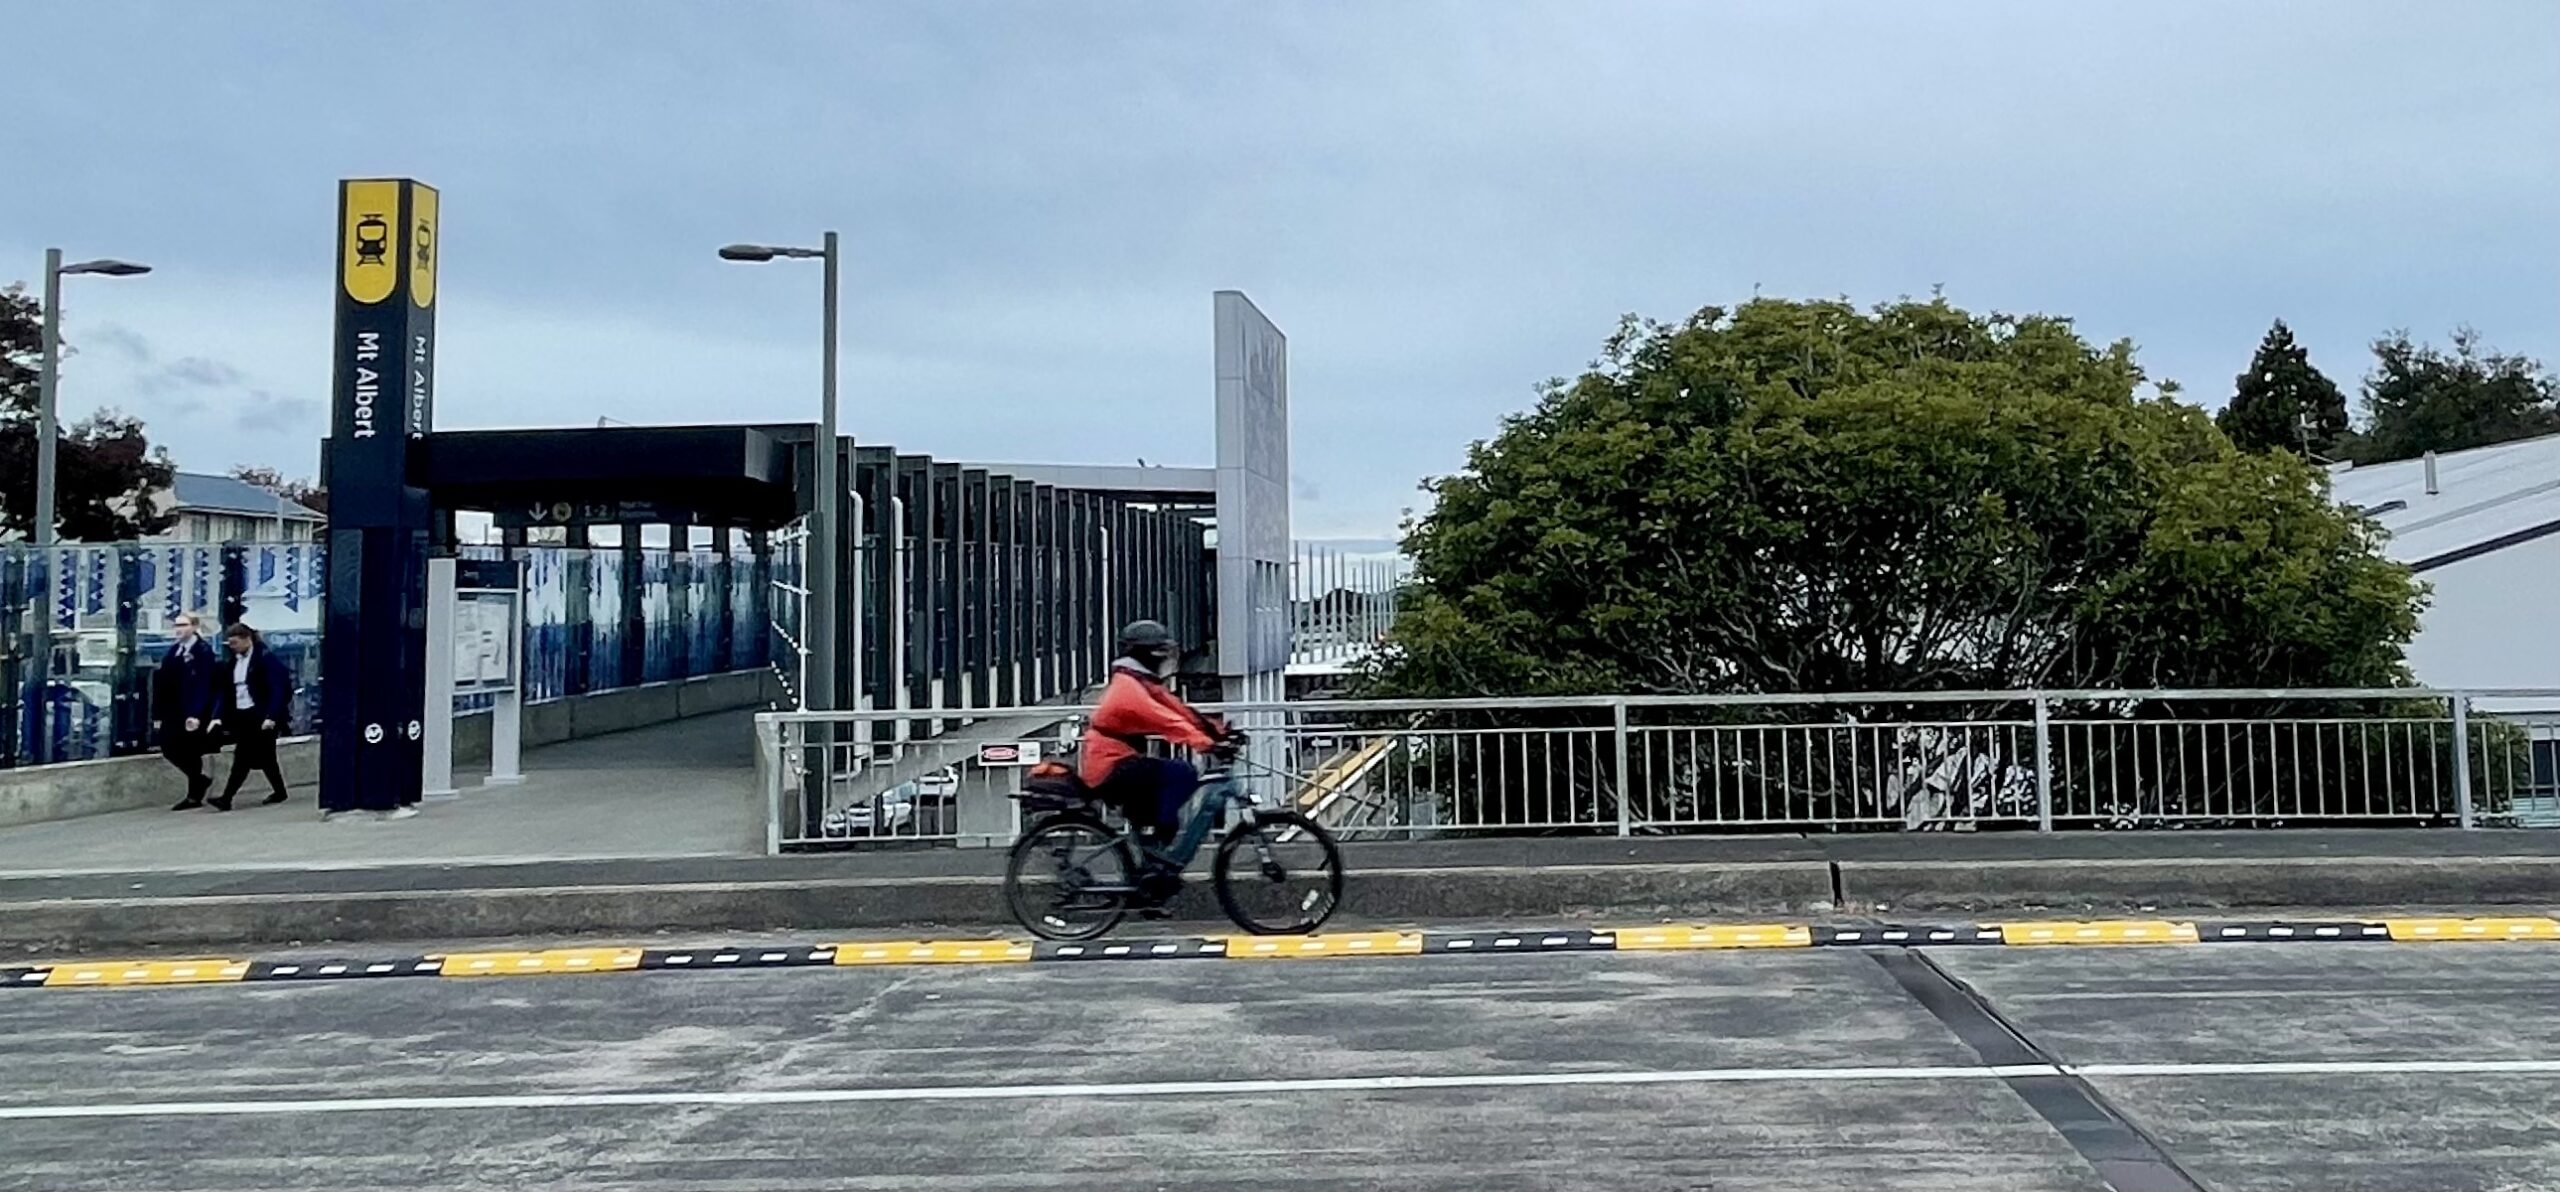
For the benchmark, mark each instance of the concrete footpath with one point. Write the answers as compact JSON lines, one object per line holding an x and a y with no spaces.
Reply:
{"x":685,"y":787}
{"x":1920,"y":876}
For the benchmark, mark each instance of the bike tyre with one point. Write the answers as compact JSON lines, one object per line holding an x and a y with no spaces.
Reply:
{"x":1034,"y":848}
{"x":1274,"y":823}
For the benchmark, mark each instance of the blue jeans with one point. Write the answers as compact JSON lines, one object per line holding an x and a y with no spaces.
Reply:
{"x":1151,"y":792}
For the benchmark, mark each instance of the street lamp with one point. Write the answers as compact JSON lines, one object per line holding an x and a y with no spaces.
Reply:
{"x":47,"y":380}
{"x":819,"y":690}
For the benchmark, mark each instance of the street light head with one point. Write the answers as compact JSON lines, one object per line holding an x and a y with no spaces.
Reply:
{"x":108,"y":266}
{"x":747,"y":252}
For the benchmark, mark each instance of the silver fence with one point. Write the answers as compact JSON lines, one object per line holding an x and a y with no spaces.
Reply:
{"x":1406,"y":769}
{"x":1340,"y":605}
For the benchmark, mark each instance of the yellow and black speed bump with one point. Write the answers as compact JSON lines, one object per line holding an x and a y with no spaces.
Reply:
{"x":1897,"y":935}
{"x":1653,"y":937}
{"x":2299,"y":931}
{"x":1469,"y":942}
{"x":343,"y":970}
{"x":758,"y":956}
{"x":208,"y":971}
{"x":1162,"y":948}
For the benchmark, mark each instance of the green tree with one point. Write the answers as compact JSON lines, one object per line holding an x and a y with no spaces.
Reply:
{"x":1800,"y":496}
{"x":107,"y":474}
{"x":1806,"y":497}
{"x":2420,"y":398}
{"x":2284,"y":404}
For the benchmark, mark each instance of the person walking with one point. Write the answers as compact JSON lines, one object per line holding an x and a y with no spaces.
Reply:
{"x":257,"y":699}
{"x":185,"y":704}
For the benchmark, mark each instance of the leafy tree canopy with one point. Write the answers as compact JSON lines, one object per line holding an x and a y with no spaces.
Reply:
{"x":2284,"y":404}
{"x":1804,"y":496}
{"x":2420,"y":398}
{"x":301,"y":492}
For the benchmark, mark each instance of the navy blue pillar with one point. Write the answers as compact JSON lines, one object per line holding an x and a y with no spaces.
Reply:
{"x":579,"y":619}
{"x":635,"y":610}
{"x":373,"y":640}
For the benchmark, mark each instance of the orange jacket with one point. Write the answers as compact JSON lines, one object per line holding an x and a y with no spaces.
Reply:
{"x":1135,"y":705}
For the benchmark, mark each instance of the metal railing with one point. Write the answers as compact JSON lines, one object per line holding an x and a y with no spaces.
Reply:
{"x":1340,"y":605}
{"x":1631,"y":765}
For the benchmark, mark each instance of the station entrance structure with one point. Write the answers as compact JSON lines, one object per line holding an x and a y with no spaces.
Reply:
{"x":962,"y":585}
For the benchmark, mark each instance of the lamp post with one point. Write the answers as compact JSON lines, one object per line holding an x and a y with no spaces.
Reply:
{"x":48,"y":379}
{"x":819,"y":633}
{"x":47,"y":374}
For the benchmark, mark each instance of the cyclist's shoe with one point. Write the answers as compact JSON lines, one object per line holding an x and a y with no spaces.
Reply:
{"x":1157,"y":885}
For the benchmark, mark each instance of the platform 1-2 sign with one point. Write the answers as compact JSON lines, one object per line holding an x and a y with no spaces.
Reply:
{"x":593,"y":513}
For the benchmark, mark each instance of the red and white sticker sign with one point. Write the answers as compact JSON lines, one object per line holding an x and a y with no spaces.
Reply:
{"x":1009,"y":753}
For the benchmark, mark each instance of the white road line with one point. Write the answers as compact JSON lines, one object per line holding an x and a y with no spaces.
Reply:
{"x":1010,"y":1092}
{"x":1230,"y":1088}
{"x":2329,"y":1068}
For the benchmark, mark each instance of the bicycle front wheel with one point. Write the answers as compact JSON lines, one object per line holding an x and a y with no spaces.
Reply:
{"x":1069,"y":879}
{"x":1283,"y":876}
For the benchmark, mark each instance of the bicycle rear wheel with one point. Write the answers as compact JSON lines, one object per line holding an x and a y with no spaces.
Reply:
{"x":1069,"y":879}
{"x":1283,"y":876}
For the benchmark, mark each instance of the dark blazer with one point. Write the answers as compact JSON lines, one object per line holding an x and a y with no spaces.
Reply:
{"x":270,"y":686}
{"x":183,"y":688}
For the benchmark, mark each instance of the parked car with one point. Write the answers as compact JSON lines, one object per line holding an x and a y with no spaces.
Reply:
{"x":886,"y":814}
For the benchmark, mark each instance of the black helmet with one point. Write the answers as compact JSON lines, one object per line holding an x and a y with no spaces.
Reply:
{"x":1148,"y":642}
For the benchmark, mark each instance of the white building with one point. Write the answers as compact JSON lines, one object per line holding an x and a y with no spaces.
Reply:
{"x":221,"y":509}
{"x":2482,"y":527}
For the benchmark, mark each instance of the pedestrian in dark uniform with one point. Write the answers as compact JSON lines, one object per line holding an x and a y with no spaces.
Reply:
{"x":185,"y":704}
{"x":257,"y":699}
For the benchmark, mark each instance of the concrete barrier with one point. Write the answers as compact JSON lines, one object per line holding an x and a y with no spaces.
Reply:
{"x":2090,"y":884}
{"x":73,"y":789}
{"x":972,"y":904}
{"x":36,"y":794}
{"x":635,"y":707}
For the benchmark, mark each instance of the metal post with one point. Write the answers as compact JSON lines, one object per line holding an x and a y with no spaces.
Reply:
{"x":861,"y":700}
{"x":41,"y":714}
{"x":436,"y":750}
{"x":1626,"y":813}
{"x":506,"y":714}
{"x":47,"y":377}
{"x":819,"y":634}
{"x":2044,"y":764}
{"x":2462,"y":758}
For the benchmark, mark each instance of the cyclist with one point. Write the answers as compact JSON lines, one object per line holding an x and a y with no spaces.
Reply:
{"x":1136,"y":705}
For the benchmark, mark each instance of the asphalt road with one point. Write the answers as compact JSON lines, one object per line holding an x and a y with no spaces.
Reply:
{"x":2320,"y":1066}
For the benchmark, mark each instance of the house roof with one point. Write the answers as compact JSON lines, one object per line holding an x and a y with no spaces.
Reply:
{"x":194,"y":492}
{"x":2486,"y":498}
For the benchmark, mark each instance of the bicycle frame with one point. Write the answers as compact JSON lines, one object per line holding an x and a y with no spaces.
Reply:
{"x":1219,"y":790}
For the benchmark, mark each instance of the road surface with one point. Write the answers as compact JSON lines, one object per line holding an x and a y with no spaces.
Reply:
{"x":2333,"y":1067}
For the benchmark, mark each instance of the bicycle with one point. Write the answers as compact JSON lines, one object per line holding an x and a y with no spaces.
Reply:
{"x":1073,"y":876}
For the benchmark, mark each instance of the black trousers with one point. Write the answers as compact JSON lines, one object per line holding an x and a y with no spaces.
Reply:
{"x":186,"y":751}
{"x":1151,"y":792}
{"x":252,"y":748}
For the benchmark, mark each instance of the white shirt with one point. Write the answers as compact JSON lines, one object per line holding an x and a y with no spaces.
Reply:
{"x":240,"y":684}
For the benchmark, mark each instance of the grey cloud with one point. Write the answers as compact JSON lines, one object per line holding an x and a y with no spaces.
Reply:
{"x":183,"y":385}
{"x":261,"y":412}
{"x":196,"y":370}
{"x":122,"y":341}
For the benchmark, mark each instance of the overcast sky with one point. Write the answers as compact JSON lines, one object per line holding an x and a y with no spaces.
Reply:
{"x":1441,"y":204}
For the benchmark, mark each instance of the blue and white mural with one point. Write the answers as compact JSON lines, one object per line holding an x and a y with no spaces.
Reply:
{"x":112,"y":608}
